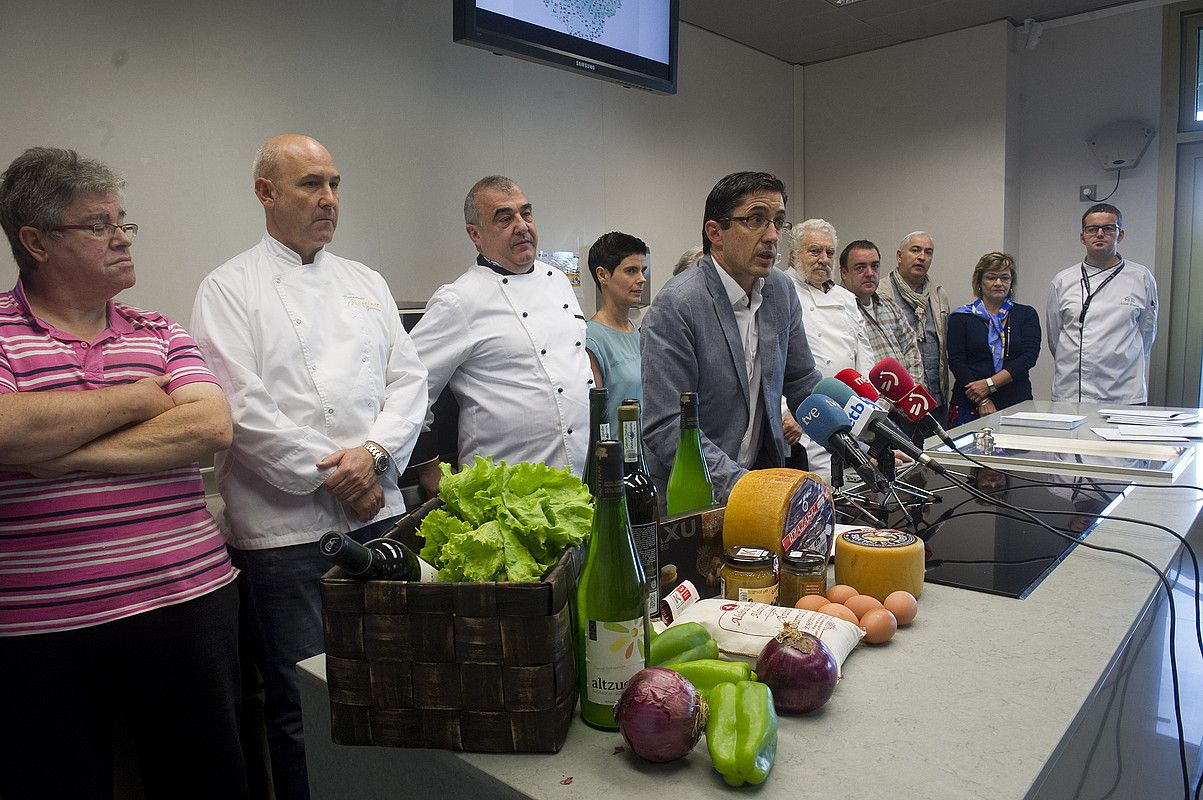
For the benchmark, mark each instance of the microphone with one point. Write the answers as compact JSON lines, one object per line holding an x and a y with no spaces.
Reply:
{"x":857,"y":383}
{"x":909,"y":397}
{"x":824,"y":421}
{"x":870,"y":423}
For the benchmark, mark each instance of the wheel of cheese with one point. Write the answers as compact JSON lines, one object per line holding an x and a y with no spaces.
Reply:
{"x":780,"y":510}
{"x":879,"y":562}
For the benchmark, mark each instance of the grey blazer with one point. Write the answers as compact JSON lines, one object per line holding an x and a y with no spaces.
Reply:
{"x":690,"y":342}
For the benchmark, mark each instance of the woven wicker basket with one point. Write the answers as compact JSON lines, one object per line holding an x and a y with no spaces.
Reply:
{"x":485,"y":667}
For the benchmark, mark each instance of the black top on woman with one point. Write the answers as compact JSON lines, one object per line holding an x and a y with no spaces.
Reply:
{"x":993,"y":343}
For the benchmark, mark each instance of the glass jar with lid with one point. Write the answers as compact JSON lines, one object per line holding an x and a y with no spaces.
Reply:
{"x":802,"y":573}
{"x":749,"y":573}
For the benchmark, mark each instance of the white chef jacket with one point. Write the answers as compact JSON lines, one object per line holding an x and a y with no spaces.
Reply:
{"x":836,"y":333}
{"x":1108,"y":354}
{"x":512,"y":349}
{"x":313,"y":359}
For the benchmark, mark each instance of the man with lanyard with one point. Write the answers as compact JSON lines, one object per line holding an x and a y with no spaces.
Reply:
{"x":1101,"y":318}
{"x":926,"y":307}
{"x":508,"y":338}
{"x":730,"y":329}
{"x":327,"y":397}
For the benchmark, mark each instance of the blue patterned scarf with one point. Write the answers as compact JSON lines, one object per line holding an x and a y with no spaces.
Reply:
{"x":996,"y":327}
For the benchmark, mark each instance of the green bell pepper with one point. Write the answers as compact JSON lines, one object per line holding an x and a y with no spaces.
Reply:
{"x":683,"y":642}
{"x":706,"y":673}
{"x":741,"y":733}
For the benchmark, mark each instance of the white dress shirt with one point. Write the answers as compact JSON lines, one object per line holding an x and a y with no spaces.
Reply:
{"x":312,"y":359}
{"x":745,"y":307}
{"x":512,"y":350}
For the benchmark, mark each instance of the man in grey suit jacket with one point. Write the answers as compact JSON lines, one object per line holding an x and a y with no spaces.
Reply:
{"x":730,"y":330}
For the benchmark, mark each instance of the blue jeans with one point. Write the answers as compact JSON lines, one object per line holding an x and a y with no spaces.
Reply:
{"x":282,"y":611}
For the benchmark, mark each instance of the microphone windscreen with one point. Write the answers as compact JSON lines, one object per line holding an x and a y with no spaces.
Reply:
{"x":857,"y":383}
{"x":820,"y":417}
{"x":917,"y":403}
{"x":891,"y":378}
{"x":837,"y":391}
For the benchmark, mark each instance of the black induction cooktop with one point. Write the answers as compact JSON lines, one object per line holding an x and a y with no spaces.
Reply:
{"x":972,"y":544}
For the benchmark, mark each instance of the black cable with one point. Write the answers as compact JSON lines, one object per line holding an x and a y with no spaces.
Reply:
{"x":1094,"y":484}
{"x":1118,"y":172}
{"x":1169,"y":591}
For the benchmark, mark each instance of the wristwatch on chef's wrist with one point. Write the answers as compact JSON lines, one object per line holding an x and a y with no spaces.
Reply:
{"x":379,"y":457}
{"x":990,"y":384}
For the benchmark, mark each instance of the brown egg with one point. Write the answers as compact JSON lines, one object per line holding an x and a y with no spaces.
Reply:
{"x":903,"y":606}
{"x":811,"y":602}
{"x":859,"y":604}
{"x":840,"y":593}
{"x":837,"y":610}
{"x":879,"y":626}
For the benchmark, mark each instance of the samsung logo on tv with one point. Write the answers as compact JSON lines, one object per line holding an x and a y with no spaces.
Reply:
{"x":586,"y":65}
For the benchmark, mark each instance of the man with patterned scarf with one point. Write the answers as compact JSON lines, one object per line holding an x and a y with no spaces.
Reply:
{"x":926,"y":307}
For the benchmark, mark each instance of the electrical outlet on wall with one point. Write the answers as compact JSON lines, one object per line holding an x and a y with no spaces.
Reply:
{"x":1088,"y":192}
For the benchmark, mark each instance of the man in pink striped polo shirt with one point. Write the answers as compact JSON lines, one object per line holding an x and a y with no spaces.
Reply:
{"x":116,"y":590}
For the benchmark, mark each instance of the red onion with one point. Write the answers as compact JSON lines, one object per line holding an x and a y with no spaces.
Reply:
{"x":799,"y":669}
{"x":661,"y":715}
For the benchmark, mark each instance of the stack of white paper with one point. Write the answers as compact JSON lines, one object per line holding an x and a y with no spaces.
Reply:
{"x":1146,"y":416}
{"x":1032,"y":419}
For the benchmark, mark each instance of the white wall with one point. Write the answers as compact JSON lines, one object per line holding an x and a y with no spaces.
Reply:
{"x":913,"y":137}
{"x":179,"y":96}
{"x":1079,"y":77}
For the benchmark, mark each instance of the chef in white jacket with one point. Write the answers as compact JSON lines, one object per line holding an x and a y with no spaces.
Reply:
{"x":1101,"y":318}
{"x":508,"y":338}
{"x":834,"y":326}
{"x":327,"y":397}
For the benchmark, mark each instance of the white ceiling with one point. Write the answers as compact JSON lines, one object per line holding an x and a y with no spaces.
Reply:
{"x":808,"y":31}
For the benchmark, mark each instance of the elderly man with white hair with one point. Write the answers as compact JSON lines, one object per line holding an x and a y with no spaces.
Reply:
{"x":834,"y":327}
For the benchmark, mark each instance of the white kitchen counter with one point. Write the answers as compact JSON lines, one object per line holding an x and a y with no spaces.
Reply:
{"x":982,"y":697}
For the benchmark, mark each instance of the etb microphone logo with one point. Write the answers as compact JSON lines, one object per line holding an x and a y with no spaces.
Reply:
{"x":856,"y":410}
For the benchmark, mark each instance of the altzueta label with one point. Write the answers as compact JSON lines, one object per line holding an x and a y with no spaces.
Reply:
{"x":613,"y":653}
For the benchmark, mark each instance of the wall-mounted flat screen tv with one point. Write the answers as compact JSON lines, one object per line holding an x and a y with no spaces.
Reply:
{"x":632,"y":42}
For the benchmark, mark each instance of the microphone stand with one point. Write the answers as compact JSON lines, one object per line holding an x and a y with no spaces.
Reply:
{"x":851,"y":499}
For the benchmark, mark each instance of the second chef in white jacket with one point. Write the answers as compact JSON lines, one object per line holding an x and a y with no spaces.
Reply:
{"x":508,"y":338}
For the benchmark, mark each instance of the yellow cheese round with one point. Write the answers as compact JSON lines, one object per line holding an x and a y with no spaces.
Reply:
{"x":780,"y":510}
{"x":878,"y":562}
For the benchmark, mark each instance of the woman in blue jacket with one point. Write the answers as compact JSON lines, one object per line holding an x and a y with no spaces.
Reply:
{"x":993,"y":343}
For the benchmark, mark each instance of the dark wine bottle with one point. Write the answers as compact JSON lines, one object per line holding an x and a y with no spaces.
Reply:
{"x":613,"y":632}
{"x":599,"y":431}
{"x":379,"y":559}
{"x":643,"y":503}
{"x":689,"y":485}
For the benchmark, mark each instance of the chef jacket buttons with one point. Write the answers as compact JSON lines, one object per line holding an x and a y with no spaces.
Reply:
{"x":570,"y":429}
{"x":565,"y":305}
{"x":560,"y":390}
{"x":542,"y":352}
{"x":524,"y":315}
{"x":590,"y":381}
{"x":549,"y":273}
{"x":578,"y":344}
{"x":505,"y":280}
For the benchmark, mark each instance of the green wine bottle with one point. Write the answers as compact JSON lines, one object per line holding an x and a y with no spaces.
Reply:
{"x":689,"y":486}
{"x":643,"y":506}
{"x":599,"y":431}
{"x":613,"y":633}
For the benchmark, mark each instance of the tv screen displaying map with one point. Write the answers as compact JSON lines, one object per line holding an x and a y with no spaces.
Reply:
{"x":633,"y":42}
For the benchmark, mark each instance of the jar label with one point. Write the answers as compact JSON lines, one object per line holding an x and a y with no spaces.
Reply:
{"x":766,"y":594}
{"x":613,"y":653}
